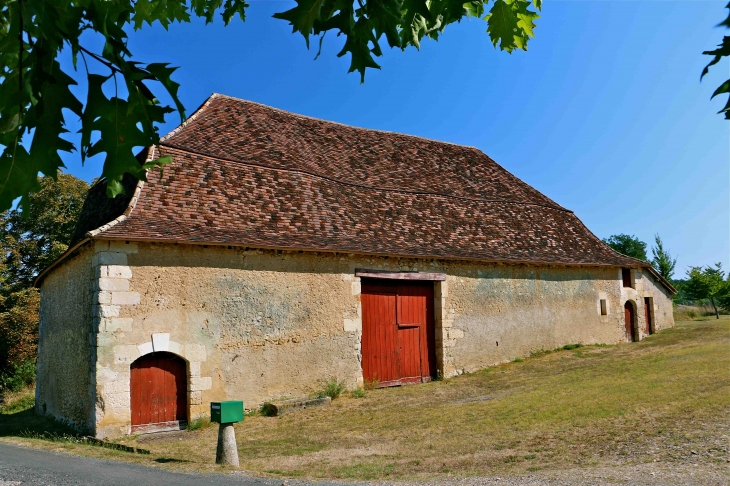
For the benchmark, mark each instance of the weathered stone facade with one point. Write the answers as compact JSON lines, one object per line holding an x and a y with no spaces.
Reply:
{"x":65,"y":376}
{"x":264,"y":324}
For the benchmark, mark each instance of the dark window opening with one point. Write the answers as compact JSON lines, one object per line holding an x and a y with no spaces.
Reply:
{"x":604,"y":309}
{"x":626,"y":275}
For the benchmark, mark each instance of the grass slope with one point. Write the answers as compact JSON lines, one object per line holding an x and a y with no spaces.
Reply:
{"x":665,"y":399}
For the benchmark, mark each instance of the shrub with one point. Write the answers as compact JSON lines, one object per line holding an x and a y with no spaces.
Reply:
{"x":332,"y":388}
{"x":267,"y":410}
{"x":568,"y":347}
{"x":540,"y":352}
{"x":359,"y":393}
{"x":17,"y":377}
{"x":373,"y":384}
{"x":18,"y":401}
{"x":201,"y":422}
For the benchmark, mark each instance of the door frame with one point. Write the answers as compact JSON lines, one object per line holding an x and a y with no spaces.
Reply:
{"x":178,"y":424}
{"x":385,"y":279}
{"x":649,"y":312}
{"x":634,"y":321}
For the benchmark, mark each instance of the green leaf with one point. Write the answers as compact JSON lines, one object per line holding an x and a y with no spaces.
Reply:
{"x":232,"y":8}
{"x":163,"y":11}
{"x":723,"y":51}
{"x":303,"y":17}
{"x":724,"y":88}
{"x":162,"y":73}
{"x":18,"y":175}
{"x":9,"y":123}
{"x":526,"y":20}
{"x":158,"y":162}
{"x":725,"y":22}
{"x":502,"y":25}
{"x":510,"y":24}
{"x":357,"y":44}
{"x":474,"y":9}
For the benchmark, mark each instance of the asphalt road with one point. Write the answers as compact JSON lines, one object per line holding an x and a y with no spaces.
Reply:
{"x":22,"y":466}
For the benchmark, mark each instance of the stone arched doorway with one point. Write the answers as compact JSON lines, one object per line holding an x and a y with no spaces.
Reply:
{"x":630,"y":322}
{"x":158,"y":386}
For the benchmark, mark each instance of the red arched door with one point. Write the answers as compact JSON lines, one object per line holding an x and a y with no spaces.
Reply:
{"x":159,"y":390}
{"x":629,"y":322}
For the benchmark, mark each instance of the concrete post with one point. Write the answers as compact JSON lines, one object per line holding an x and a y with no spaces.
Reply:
{"x":227,"y":452}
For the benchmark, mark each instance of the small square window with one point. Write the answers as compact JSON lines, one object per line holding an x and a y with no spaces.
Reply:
{"x":604,"y":309}
{"x":626,"y":276}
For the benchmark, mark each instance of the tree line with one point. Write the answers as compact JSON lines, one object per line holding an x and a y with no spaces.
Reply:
{"x":706,"y":285}
{"x":30,"y":241}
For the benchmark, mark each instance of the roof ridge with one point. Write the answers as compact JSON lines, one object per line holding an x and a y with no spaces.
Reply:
{"x":363,"y":186}
{"x":192,"y":117}
{"x":202,"y":108}
{"x":307,"y":117}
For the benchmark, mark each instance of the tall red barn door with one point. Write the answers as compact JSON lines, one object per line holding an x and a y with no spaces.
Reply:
{"x":158,"y":385}
{"x":398,"y":332}
{"x":629,"y":321}
{"x":380,"y":345}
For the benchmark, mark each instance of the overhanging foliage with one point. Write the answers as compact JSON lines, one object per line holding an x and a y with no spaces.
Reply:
{"x":36,"y":96}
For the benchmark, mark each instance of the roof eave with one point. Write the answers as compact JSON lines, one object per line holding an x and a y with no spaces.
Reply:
{"x":91,"y":235}
{"x":362,"y":252}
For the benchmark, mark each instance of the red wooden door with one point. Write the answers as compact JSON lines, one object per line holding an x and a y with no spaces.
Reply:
{"x":158,"y":385}
{"x":398,"y":332}
{"x":647,"y":314}
{"x":629,"y":321}
{"x":380,"y":362}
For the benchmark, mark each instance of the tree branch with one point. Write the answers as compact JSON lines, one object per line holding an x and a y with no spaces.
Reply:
{"x":20,"y":56}
{"x":101,"y":60}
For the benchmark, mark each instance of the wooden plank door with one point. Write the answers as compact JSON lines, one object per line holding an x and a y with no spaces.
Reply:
{"x":380,"y":346}
{"x":629,"y":321}
{"x":647,"y":313}
{"x":398,"y":332}
{"x":415,"y":316}
{"x":158,"y":386}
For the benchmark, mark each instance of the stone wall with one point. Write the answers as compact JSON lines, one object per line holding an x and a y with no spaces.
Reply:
{"x":257,"y":325}
{"x":65,"y":374}
{"x":496,"y":313}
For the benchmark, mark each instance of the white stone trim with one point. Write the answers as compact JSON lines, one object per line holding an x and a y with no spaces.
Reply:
{"x":160,"y":342}
{"x":146,"y":348}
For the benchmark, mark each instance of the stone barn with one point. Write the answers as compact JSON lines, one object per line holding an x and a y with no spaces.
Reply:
{"x":277,"y":251}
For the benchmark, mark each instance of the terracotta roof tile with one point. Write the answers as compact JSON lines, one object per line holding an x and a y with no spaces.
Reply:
{"x":252,"y":175}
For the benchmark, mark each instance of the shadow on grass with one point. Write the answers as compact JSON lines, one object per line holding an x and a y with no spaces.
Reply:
{"x":26,"y":423}
{"x":166,"y":460}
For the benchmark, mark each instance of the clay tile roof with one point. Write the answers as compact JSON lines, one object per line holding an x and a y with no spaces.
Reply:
{"x":251,"y":175}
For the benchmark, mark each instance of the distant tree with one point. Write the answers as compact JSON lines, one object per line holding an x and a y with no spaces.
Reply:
{"x":662,"y":261}
{"x":628,"y":245}
{"x":707,"y":283}
{"x":33,"y":239}
{"x":18,"y":339}
{"x":30,"y":242}
{"x":723,"y":301}
{"x":681,"y":296}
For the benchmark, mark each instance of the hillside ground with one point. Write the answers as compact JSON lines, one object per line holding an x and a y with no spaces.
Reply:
{"x":664,"y":401}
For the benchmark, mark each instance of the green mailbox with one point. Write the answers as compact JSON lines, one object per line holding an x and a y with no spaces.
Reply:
{"x":226,"y":412}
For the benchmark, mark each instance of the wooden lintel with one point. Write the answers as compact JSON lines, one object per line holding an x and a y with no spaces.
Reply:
{"x":381,"y":274}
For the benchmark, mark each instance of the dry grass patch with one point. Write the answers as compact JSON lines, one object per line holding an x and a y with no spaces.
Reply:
{"x":664,"y":399}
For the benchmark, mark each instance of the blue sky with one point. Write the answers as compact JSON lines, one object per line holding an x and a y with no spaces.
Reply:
{"x":605,"y":113}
